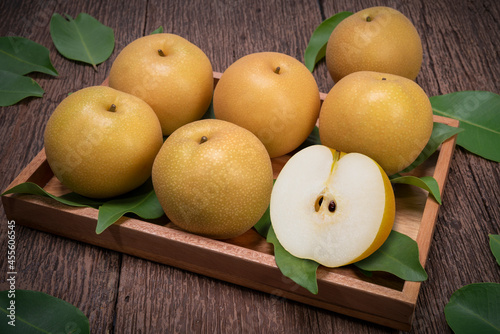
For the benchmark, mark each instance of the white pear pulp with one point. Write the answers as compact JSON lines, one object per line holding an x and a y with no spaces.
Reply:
{"x":307,"y":230}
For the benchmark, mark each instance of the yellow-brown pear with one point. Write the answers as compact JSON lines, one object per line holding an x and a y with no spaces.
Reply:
{"x":213,"y":178}
{"x":384,"y":116}
{"x":271,"y":94}
{"x":171,"y":74}
{"x":101,"y":142}
{"x":379,"y":39}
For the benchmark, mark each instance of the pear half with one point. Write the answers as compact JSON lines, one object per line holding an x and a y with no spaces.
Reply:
{"x":332,"y":207}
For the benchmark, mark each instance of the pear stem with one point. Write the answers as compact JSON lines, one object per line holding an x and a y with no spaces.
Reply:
{"x":112,"y":108}
{"x":277,"y":70}
{"x":160,"y":52}
{"x":384,"y":79}
{"x":203,"y":139}
{"x":368,"y":19}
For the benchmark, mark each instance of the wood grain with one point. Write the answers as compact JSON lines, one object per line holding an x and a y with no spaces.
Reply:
{"x":248,"y":259}
{"x":124,"y":294}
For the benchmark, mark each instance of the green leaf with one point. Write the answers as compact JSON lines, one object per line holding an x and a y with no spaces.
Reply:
{"x":440,"y":132}
{"x":312,"y":139}
{"x":22,"y":56}
{"x":159,"y":30}
{"x":474,"y":308}
{"x":495,"y":246}
{"x":479,"y":115}
{"x":70,"y":199}
{"x":316,"y":48}
{"x":37,"y":312}
{"x":209,"y":114}
{"x":15,"y":87}
{"x":264,"y":223}
{"x":301,"y":271}
{"x":141,"y":201}
{"x":399,"y":256}
{"x":84,"y":39}
{"x":427,"y":183}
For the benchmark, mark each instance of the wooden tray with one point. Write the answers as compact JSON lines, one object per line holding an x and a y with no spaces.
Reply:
{"x":248,"y":259}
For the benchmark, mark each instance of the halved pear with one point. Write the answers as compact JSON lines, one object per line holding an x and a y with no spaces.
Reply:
{"x":332,"y":207}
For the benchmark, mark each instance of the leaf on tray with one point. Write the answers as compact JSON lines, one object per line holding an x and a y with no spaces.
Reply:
{"x":312,"y":139}
{"x":84,"y":38}
{"x":427,"y":183}
{"x":22,"y":56}
{"x":15,"y":87}
{"x":301,"y":271}
{"x":70,"y":199}
{"x":398,"y":255}
{"x":316,"y":48}
{"x":479,"y":115}
{"x":158,"y":30}
{"x":495,"y":246}
{"x":141,"y":201}
{"x":440,"y":133}
{"x":474,"y":308}
{"x":37,"y":312}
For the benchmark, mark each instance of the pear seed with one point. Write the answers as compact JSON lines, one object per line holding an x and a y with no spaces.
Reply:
{"x":332,"y":206}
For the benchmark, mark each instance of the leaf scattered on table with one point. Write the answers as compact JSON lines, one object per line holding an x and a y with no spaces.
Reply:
{"x":158,"y":30}
{"x":38,"y":312}
{"x":15,"y":87}
{"x":479,"y":115}
{"x":398,"y":255}
{"x":141,"y":201}
{"x":495,"y":246}
{"x":316,"y":48}
{"x":440,"y":133}
{"x":427,"y":183}
{"x":474,"y":308}
{"x":84,"y":39}
{"x":22,"y":56}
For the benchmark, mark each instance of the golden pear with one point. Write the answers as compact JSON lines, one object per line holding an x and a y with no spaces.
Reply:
{"x":379,"y":39}
{"x":101,"y":142}
{"x":213,"y":178}
{"x":170,"y":73}
{"x":384,"y":116}
{"x":271,"y":94}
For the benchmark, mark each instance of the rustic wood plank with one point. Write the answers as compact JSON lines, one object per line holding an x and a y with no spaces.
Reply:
{"x":457,"y":57}
{"x":83,"y":275}
{"x":461,"y":52}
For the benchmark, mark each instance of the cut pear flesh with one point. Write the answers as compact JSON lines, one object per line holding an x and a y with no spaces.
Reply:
{"x":332,"y":207}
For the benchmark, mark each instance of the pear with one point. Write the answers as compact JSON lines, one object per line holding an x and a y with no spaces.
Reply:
{"x":332,"y":207}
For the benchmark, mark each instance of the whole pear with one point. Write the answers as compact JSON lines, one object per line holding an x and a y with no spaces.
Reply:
{"x":213,"y":178}
{"x":101,"y":142}
{"x":171,"y":74}
{"x":271,"y":94}
{"x":384,"y":116}
{"x":379,"y":39}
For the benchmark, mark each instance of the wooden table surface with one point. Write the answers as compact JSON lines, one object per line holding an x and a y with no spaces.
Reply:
{"x":125,"y":294}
